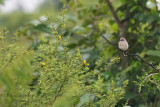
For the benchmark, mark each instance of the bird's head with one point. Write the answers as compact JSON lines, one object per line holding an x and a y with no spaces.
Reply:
{"x":122,"y":39}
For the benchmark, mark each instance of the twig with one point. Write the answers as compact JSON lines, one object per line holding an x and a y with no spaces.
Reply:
{"x":58,"y":93}
{"x":114,"y":13}
{"x":151,"y":65}
{"x":61,"y":87}
{"x":130,"y":54}
{"x":156,"y":4}
{"x":122,"y":24}
{"x":148,"y":77}
{"x":10,"y":60}
{"x":153,"y":82}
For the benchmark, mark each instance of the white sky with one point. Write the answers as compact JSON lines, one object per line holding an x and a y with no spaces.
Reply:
{"x":30,"y":5}
{"x":27,"y":5}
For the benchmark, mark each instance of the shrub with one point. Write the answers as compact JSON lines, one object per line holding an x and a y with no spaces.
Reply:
{"x":56,"y":76}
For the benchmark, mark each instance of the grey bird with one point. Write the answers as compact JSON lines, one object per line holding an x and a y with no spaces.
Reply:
{"x":123,"y":45}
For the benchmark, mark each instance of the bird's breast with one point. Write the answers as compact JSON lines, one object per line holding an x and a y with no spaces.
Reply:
{"x":123,"y":45}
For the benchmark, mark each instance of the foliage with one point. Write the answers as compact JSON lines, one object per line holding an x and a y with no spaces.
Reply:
{"x":53,"y":75}
{"x":138,"y":23}
{"x":1,"y":1}
{"x":9,"y":52}
{"x":149,"y":80}
{"x":62,"y":75}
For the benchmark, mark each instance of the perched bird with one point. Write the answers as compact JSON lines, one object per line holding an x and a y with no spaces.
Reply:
{"x":123,"y":45}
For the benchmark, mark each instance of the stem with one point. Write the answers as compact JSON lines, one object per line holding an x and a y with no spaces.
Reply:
{"x":113,"y":13}
{"x":156,"y":4}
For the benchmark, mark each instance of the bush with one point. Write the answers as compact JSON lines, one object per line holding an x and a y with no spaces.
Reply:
{"x":56,"y":76}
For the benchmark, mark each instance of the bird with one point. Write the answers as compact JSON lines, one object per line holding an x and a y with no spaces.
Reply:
{"x":123,"y":45}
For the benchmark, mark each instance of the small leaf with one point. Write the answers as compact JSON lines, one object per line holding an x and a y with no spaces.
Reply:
{"x":44,"y":28}
{"x":153,"y":53}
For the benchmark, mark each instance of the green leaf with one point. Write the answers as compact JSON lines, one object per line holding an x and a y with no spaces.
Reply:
{"x":123,"y":1}
{"x":43,"y":28}
{"x":2,"y":2}
{"x":154,"y":53}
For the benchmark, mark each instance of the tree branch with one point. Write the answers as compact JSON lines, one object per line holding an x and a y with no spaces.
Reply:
{"x":148,"y":76}
{"x":130,"y":54}
{"x":58,"y":93}
{"x":113,"y":13}
{"x":156,"y":4}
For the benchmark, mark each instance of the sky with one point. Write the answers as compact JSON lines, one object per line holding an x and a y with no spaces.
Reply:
{"x":30,"y":5}
{"x":27,"y":5}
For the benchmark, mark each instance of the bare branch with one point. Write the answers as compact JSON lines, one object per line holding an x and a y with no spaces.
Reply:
{"x":151,"y":65}
{"x":148,"y":76}
{"x":113,"y":13}
{"x":156,"y":4}
{"x":130,"y":54}
{"x":153,"y":82}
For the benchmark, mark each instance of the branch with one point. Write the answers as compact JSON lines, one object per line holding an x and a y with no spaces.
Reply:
{"x":153,"y":82}
{"x":113,"y":13}
{"x":60,"y":88}
{"x":58,"y":93}
{"x":148,"y":76}
{"x":10,"y":60}
{"x":156,"y":4}
{"x":130,"y":54}
{"x":147,"y":63}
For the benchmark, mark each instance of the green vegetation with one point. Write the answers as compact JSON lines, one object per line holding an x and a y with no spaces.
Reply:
{"x":58,"y":58}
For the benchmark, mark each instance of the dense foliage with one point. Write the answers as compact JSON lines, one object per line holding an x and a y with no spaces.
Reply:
{"x":52,"y":75}
{"x":68,"y":63}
